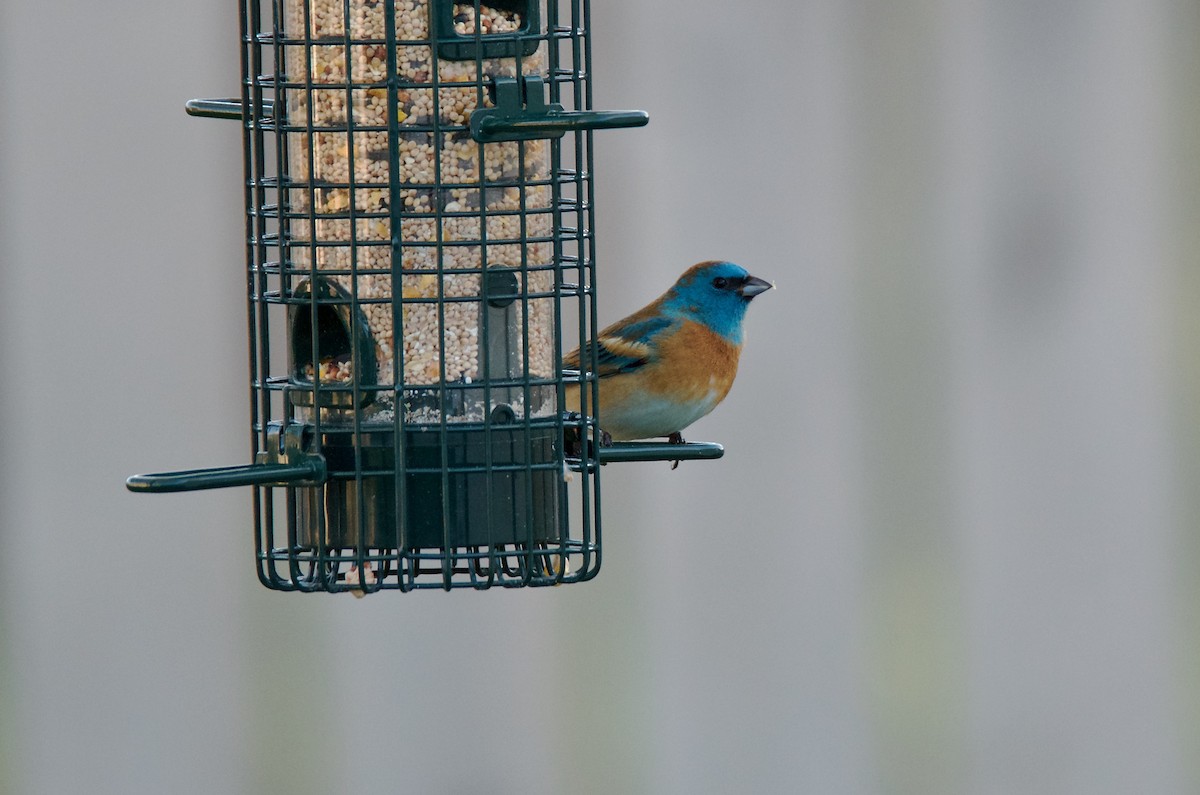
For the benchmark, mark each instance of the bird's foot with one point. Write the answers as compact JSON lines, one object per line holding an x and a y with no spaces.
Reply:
{"x":676,"y":438}
{"x":576,"y":447}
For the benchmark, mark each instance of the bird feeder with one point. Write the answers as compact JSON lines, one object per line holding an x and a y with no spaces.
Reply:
{"x":420,"y":254}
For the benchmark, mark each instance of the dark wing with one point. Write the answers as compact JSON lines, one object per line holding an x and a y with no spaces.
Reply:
{"x":624,"y":346}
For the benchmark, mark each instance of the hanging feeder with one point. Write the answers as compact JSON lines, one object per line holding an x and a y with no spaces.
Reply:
{"x":419,"y":228}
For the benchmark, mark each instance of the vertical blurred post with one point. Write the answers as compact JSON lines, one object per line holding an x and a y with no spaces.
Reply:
{"x":1060,"y":152}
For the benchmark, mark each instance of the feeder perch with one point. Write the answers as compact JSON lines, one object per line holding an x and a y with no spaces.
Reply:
{"x":419,"y":221}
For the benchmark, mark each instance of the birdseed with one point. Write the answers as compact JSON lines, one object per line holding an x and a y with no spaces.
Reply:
{"x":332,"y":368}
{"x":465,"y":206}
{"x":491,"y":20}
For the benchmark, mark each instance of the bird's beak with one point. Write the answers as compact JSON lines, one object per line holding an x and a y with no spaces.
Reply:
{"x":753,"y":286}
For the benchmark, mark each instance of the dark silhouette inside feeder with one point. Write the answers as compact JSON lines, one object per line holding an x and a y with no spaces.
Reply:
{"x":336,"y":364}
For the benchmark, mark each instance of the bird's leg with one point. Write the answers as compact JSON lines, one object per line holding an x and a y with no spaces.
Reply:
{"x":675,"y":438}
{"x":575,"y":447}
{"x":574,"y":442}
{"x":572,"y":446}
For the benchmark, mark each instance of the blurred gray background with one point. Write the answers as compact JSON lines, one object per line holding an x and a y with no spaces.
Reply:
{"x":951,"y":547}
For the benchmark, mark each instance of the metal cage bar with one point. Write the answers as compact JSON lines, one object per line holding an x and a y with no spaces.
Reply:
{"x":305,"y":554}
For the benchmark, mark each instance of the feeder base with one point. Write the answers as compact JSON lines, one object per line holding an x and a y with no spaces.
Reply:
{"x":476,"y":488}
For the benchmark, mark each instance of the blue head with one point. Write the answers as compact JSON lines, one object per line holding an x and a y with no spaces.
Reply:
{"x":716,"y":294}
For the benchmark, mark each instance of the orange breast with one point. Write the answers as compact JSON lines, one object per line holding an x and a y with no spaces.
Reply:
{"x":692,"y":364}
{"x":691,"y":372}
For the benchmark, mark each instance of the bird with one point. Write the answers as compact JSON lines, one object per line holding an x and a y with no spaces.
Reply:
{"x":671,"y":362}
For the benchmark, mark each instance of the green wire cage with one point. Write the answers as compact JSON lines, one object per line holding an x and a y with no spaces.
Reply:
{"x":419,"y":215}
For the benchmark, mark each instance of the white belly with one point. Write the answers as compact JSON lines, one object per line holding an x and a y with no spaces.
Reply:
{"x":651,"y":418}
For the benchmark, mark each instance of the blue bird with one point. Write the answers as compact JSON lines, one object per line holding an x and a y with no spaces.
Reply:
{"x":670,"y":363}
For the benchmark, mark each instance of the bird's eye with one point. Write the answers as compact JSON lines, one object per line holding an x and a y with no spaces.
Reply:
{"x":720,"y":282}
